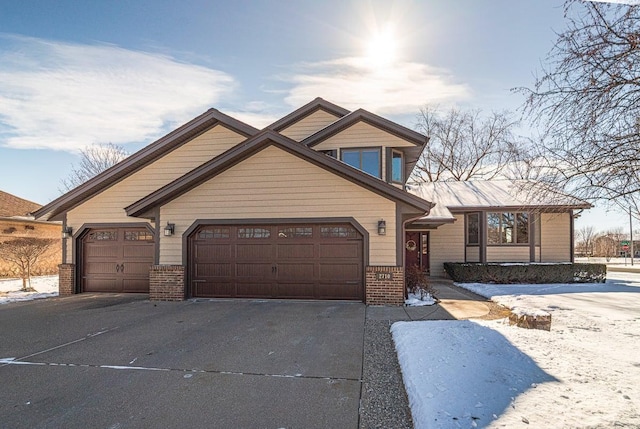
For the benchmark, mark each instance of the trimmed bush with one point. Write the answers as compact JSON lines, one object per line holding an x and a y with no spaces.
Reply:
{"x":526,"y":272}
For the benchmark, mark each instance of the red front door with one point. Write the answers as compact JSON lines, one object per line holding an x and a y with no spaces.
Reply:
{"x":416,"y":245}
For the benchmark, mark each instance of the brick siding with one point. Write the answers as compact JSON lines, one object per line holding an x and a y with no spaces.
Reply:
{"x":166,"y":283}
{"x":66,"y":279}
{"x":384,"y":291}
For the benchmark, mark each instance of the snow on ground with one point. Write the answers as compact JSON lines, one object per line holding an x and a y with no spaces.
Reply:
{"x":585,"y":373}
{"x":419,"y":299}
{"x":45,"y":286}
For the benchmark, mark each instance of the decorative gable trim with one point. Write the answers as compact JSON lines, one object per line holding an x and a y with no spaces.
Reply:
{"x":306,"y":110}
{"x":141,"y":159}
{"x":244,"y":150}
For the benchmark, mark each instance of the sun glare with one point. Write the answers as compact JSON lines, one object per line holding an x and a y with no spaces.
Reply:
{"x":381,"y":50}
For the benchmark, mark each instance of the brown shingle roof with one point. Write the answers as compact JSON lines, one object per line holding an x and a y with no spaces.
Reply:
{"x":10,"y":205}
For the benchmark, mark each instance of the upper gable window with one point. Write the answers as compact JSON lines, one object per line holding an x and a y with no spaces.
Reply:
{"x":367,"y":160}
{"x":397,"y":167}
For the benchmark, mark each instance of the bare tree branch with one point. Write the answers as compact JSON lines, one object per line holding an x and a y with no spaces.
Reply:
{"x":587,"y":101}
{"x":93,"y":160}
{"x":24,"y":253}
{"x":465,"y":146}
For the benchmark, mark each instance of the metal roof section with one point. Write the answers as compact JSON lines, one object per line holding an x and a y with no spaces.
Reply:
{"x":458,"y":196}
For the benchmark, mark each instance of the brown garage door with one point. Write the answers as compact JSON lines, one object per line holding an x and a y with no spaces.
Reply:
{"x":277,"y":261}
{"x":117,"y":260}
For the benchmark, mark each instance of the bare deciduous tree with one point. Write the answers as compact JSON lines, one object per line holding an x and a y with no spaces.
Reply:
{"x":93,"y":160}
{"x":24,"y":253}
{"x":587,"y":101}
{"x":465,"y":146}
{"x":584,"y":238}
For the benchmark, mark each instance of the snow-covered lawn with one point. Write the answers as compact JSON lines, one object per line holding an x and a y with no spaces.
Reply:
{"x":45,"y":286}
{"x":584,"y":373}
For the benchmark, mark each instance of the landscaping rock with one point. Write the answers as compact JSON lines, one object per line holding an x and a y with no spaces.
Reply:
{"x":530,"y":319}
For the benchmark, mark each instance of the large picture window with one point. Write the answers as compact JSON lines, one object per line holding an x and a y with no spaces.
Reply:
{"x":367,"y":160}
{"x":507,"y":228}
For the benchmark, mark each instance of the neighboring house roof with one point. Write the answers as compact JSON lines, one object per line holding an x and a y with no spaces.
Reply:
{"x":142,"y":158}
{"x":11,"y":206}
{"x":306,"y":110}
{"x":458,"y":196}
{"x":255,"y":144}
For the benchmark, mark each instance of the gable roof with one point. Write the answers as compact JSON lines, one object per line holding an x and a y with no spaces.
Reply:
{"x":254,"y":145}
{"x":412,"y":153}
{"x":142,"y":158}
{"x":370,"y":118}
{"x":306,"y":110}
{"x":10,"y":205}
{"x":491,"y":194}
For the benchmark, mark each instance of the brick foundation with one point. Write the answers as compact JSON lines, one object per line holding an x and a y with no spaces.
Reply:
{"x":66,"y":279}
{"x":166,"y":283}
{"x":384,"y":286}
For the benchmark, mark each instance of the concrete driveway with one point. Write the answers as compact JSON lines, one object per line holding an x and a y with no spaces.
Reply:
{"x":121,"y":361}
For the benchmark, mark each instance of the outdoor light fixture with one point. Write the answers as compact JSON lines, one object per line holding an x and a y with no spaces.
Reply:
{"x":67,"y":231}
{"x":168,"y":230}
{"x":382,"y":227}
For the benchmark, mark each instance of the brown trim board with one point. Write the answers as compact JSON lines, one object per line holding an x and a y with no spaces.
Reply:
{"x":306,"y":110}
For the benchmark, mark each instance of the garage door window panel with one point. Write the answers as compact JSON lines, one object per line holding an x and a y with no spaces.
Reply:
{"x":254,"y":233}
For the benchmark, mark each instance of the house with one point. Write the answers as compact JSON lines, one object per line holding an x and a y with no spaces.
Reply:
{"x":16,"y":222}
{"x":313,"y":206}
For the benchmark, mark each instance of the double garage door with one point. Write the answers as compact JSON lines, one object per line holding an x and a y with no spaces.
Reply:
{"x":310,"y":261}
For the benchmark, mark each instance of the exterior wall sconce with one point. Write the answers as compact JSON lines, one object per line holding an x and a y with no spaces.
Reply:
{"x":67,"y":231}
{"x":382,"y":227}
{"x":169,"y":229}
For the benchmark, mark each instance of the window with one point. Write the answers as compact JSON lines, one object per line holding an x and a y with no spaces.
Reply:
{"x":507,"y":228}
{"x":295,"y":232}
{"x":254,"y":233}
{"x":397,"y":167}
{"x":338,"y":232}
{"x":213,"y":233}
{"x":367,"y":160}
{"x":473,"y":228}
{"x":138,"y":236}
{"x":103,"y":235}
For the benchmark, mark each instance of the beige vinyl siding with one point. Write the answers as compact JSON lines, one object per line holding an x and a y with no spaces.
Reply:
{"x":108,"y":206}
{"x":556,"y":237}
{"x":309,"y":125}
{"x":275,"y":184}
{"x":508,"y":254}
{"x":447,"y":245}
{"x":473,"y":254}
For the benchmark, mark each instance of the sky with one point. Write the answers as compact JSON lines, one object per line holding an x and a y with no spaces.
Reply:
{"x":75,"y":73}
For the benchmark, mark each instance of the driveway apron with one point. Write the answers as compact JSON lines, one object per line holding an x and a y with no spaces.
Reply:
{"x":116,"y":361}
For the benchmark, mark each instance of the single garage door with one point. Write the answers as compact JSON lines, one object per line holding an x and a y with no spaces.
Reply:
{"x":117,"y":260}
{"x":314,"y":261}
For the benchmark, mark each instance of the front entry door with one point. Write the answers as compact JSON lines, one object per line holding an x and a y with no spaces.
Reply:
{"x":416,"y":245}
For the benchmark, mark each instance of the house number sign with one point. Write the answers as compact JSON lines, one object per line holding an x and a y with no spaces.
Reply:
{"x":384,"y":276}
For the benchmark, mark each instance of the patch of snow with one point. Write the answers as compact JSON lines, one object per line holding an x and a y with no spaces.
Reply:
{"x":416,"y":300}
{"x":524,"y":311}
{"x":45,"y":287}
{"x":585,"y":372}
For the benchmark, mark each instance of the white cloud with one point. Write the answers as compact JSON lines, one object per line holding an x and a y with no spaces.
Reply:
{"x":64,"y":96}
{"x":397,"y":88}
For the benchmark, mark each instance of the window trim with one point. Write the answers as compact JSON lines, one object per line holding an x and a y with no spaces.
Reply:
{"x":359,"y":150}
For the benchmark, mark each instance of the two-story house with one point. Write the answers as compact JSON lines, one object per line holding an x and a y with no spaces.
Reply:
{"x":314,"y":206}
